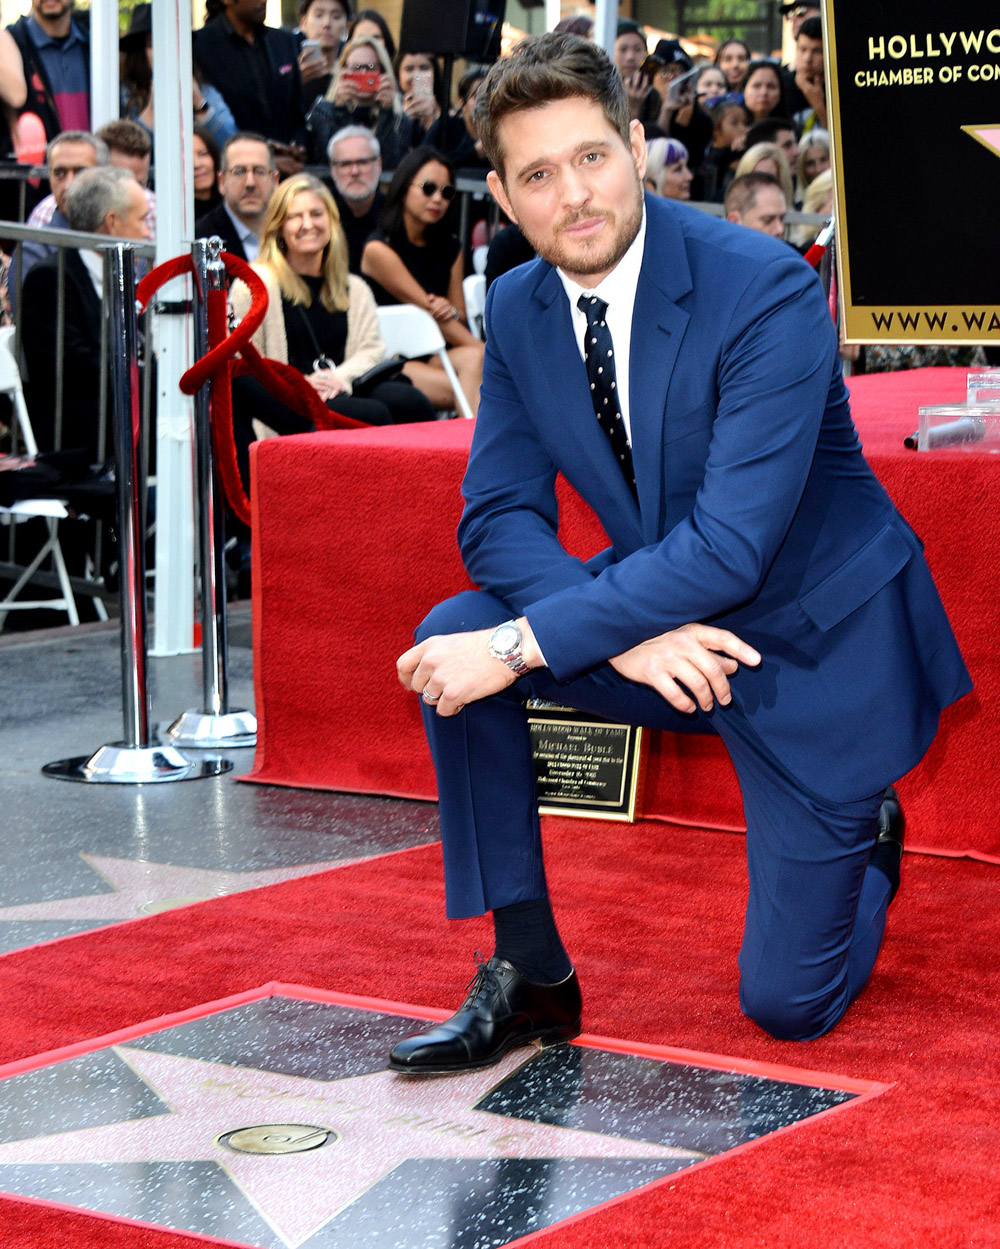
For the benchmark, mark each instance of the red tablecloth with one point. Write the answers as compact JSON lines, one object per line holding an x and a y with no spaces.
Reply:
{"x":354,"y":541}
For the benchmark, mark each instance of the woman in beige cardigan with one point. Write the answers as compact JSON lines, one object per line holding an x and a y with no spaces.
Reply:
{"x":320,"y":319}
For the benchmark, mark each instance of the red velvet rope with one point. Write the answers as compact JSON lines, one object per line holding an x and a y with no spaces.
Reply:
{"x":219,"y":365}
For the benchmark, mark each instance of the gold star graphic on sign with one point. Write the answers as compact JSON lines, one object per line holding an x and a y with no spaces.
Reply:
{"x":987,"y":135}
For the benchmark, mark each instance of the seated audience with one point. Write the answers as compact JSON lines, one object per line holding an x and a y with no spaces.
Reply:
{"x":320,"y":319}
{"x":256,"y":67}
{"x":207,"y":160}
{"x":67,"y":155}
{"x":757,"y":201}
{"x":355,"y":170}
{"x":768,"y":158}
{"x":136,"y":77}
{"x":130,"y":147}
{"x":729,"y":128}
{"x":419,"y":78}
{"x":322,"y":22}
{"x":763,"y":91}
{"x":733,"y":56}
{"x":417,"y":259}
{"x":247,"y":181}
{"x":103,"y":200}
{"x":667,"y":171}
{"x":370,"y":24}
{"x":363,"y":93}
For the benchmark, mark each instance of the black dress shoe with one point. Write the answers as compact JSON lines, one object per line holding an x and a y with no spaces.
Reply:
{"x":889,"y":834}
{"x":502,"y":1010}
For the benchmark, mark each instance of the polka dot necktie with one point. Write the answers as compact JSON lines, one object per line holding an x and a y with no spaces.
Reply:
{"x":599,"y":355}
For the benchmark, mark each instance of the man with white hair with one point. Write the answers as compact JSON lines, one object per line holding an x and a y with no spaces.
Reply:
{"x":106,"y":200}
{"x":355,"y":168}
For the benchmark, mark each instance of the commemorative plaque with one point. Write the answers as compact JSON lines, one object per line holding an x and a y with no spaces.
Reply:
{"x":584,"y":765}
{"x":915,"y":124}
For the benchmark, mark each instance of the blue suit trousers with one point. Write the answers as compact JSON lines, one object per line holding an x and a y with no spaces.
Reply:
{"x":816,"y":910}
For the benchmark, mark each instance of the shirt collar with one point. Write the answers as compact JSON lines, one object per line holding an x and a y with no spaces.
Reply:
{"x":621,"y":282}
{"x":42,"y":39}
{"x":242,"y":229}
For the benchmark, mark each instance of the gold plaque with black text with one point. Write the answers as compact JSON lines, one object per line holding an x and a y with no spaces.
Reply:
{"x":584,"y":765}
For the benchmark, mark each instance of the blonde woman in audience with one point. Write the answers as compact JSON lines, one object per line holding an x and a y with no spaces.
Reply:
{"x":363,"y":92}
{"x":768,"y":158}
{"x":814,"y":157}
{"x":817,"y":199}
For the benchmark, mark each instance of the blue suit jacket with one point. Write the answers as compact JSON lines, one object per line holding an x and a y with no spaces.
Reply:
{"x":756,"y":512}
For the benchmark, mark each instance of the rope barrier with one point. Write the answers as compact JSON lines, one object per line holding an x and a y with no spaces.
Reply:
{"x":219,"y":365}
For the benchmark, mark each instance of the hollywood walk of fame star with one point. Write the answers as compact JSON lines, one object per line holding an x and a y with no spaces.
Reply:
{"x":142,"y":888}
{"x":988,"y":136}
{"x":378,"y":1121}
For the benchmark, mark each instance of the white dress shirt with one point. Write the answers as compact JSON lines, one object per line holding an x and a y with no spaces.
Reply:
{"x":618,"y":292}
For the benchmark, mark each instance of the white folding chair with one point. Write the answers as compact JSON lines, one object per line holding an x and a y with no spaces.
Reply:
{"x":52,"y":511}
{"x":474,"y":291}
{"x":480,"y":255}
{"x":410,"y":332}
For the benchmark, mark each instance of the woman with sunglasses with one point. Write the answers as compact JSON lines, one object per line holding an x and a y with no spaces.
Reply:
{"x":320,"y":319}
{"x":415,"y":258}
{"x":363,"y":92}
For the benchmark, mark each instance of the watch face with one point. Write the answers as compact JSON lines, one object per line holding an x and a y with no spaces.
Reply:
{"x":506,"y":638}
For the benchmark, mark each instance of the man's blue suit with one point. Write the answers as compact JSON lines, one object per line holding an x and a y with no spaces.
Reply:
{"x":756,"y":512}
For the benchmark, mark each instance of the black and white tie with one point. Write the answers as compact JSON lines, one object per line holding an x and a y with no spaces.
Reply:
{"x":600,"y":357}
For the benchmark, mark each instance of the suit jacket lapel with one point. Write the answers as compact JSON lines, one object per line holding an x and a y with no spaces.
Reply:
{"x":558,"y":361}
{"x":658,"y":327}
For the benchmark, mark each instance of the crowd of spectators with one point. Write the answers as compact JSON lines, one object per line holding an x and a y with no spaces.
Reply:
{"x":390,"y":140}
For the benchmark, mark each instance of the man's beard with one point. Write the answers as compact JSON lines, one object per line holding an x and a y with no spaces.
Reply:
{"x":575,"y":263}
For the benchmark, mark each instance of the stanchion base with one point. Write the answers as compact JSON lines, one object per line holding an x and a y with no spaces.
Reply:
{"x":118,"y":764}
{"x":200,"y":730}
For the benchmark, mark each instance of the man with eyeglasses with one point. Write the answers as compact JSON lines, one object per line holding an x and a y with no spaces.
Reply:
{"x":355,"y":170}
{"x":247,"y":182}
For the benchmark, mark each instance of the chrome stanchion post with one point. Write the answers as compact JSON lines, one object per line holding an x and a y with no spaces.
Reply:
{"x":137,"y":759}
{"x":215,"y":725}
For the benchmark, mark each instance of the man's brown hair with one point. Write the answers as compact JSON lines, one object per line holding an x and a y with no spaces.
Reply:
{"x":742,"y":192}
{"x":542,"y":68}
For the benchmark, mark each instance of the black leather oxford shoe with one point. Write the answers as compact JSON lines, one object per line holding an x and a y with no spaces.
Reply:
{"x":889,"y":835}
{"x":502,"y":1010}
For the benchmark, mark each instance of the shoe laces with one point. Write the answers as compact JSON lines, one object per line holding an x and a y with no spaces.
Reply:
{"x":483,"y":984}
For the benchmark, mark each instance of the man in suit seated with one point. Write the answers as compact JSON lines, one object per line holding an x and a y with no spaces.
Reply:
{"x":759,"y":582}
{"x":355,"y":169}
{"x":105,"y":200}
{"x":247,"y":181}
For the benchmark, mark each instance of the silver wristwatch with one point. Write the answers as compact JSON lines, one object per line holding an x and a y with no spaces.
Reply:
{"x":505,"y":644}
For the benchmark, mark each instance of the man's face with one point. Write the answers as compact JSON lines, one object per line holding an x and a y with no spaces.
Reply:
{"x":246,"y":12}
{"x":789,"y":144}
{"x":247,"y":180}
{"x":51,"y":10}
{"x":133,"y":223}
{"x":630,"y":52}
{"x":355,"y":171}
{"x":767,"y":213}
{"x":66,"y":161}
{"x":138,"y":166}
{"x":809,"y":56}
{"x":572,"y":185}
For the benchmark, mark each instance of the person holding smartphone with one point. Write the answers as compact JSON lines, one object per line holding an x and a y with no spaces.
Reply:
{"x":322,"y":25}
{"x":419,"y":80}
{"x":363,"y":92}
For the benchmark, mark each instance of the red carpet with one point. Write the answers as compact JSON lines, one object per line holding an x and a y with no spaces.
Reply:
{"x":652,"y":918}
{"x":355,"y":541}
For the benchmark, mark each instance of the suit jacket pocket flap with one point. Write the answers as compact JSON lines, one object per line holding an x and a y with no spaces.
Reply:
{"x":857,"y":580}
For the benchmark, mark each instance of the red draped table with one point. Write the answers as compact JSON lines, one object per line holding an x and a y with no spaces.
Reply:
{"x":354,"y":541}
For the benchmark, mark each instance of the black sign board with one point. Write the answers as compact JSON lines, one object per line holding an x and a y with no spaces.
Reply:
{"x":914,"y":87}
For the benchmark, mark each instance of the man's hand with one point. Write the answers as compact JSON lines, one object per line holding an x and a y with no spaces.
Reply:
{"x":452,"y":669}
{"x":700,"y":655}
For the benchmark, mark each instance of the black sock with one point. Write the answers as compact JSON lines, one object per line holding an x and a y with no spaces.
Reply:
{"x":527,"y":937}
